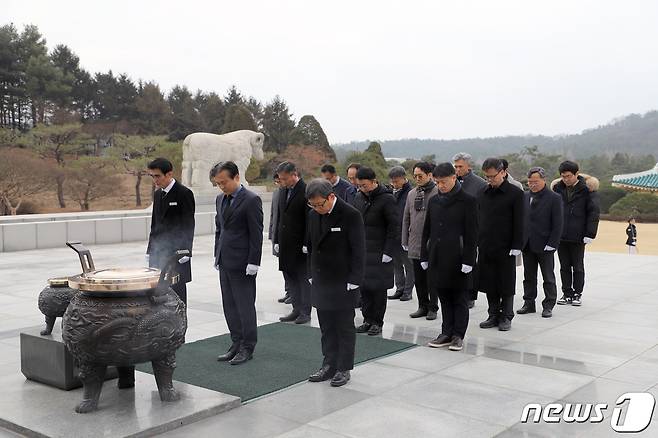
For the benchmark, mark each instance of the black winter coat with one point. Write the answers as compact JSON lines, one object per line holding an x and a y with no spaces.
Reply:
{"x":382,"y":229}
{"x":543,"y":220}
{"x":291,"y":228}
{"x":450,"y":239}
{"x":581,"y":213}
{"x":401,"y":200}
{"x":336,"y":246}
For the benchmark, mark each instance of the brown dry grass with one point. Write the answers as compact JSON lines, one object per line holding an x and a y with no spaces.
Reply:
{"x":611,"y":237}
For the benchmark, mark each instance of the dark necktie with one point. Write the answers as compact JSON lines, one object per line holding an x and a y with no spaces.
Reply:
{"x":288,"y":195}
{"x":226,"y":203}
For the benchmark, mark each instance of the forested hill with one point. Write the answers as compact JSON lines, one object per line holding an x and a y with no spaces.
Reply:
{"x":634,"y":134}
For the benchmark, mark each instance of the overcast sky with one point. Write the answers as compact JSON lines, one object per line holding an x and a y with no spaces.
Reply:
{"x":379,"y":69}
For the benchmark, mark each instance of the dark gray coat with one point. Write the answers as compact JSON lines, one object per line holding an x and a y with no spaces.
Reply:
{"x":543,"y":220}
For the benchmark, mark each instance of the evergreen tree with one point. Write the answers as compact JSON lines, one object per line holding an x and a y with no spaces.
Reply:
{"x":153,"y":112}
{"x":238,"y":117}
{"x":277,"y":125}
{"x":309,"y":132}
{"x":212,"y":111}
{"x":185,"y":119}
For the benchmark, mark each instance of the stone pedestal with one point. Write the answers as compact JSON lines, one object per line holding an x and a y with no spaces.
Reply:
{"x":45,"y":359}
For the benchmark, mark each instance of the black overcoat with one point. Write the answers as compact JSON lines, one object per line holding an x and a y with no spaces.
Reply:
{"x":337,"y":253}
{"x":291,"y":228}
{"x":543,"y":220}
{"x":382,"y":229}
{"x":450,"y":239}
{"x":172,"y":228}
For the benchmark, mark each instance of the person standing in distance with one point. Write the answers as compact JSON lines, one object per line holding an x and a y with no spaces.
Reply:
{"x":342,"y":188}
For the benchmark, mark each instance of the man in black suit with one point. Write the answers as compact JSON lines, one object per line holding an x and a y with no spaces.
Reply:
{"x":337,"y":250}
{"x":289,"y":241}
{"x":500,"y":241}
{"x":238,"y":248}
{"x":342,"y":188}
{"x":448,"y":249}
{"x":172,"y":223}
{"x":543,"y":230}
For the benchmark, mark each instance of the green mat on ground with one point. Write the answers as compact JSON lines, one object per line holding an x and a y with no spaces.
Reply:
{"x":286,"y":354}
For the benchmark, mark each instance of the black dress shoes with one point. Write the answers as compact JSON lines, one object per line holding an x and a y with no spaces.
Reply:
{"x":527,"y":308}
{"x":490,"y":322}
{"x":363,"y":328}
{"x":290,"y":317}
{"x":546,"y":313}
{"x":230,"y":354}
{"x":242,"y":356}
{"x":396,"y":296}
{"x":303,"y":319}
{"x":374,"y":330}
{"x":324,"y":373}
{"x":406,"y":297}
{"x":419,"y":313}
{"x":431,"y":316}
{"x":283,"y":298}
{"x":340,"y":378}
{"x":504,"y":325}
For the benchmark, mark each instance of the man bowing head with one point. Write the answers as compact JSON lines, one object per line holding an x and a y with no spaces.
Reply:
{"x":238,"y":248}
{"x":336,"y":248}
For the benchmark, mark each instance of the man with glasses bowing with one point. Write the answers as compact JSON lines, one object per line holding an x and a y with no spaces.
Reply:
{"x":336,"y":248}
{"x":500,"y":241}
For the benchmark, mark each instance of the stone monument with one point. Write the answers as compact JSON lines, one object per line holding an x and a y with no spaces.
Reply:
{"x":202,"y":150}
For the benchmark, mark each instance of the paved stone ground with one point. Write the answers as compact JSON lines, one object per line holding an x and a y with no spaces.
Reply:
{"x":590,"y":354}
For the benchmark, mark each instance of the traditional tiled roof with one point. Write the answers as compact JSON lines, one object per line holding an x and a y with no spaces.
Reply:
{"x":647,"y":180}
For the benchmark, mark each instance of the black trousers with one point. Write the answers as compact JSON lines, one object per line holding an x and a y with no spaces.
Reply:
{"x":454,"y":311}
{"x":572,"y":267}
{"x":299,"y":290}
{"x":239,"y":302}
{"x":181,"y":291}
{"x":338,"y":338}
{"x":404,"y":273}
{"x":373,"y":305}
{"x":546,"y":262}
{"x":427,"y":297}
{"x":500,"y":306}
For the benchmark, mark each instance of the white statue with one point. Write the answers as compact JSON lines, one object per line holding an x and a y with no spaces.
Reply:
{"x":201,"y":151}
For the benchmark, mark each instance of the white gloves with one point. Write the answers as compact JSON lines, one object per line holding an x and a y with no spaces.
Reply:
{"x":310,"y":281}
{"x":405,"y":247}
{"x":424,"y":265}
{"x":351,"y":286}
{"x":146,"y":259}
{"x":386,"y":259}
{"x":276,"y":248}
{"x":183,"y":260}
{"x":304,"y":249}
{"x":587,"y":240}
{"x":466,"y":269}
{"x":252,"y":269}
{"x":549,"y":248}
{"x":514,"y":252}
{"x":216,"y":267}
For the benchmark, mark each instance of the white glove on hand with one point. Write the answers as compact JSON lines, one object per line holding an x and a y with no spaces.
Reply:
{"x":216,"y":267}
{"x":310,"y":281}
{"x":351,"y":286}
{"x":183,"y":260}
{"x":587,"y":240}
{"x":304,"y":249}
{"x":276,"y":248}
{"x":466,"y":269}
{"x":405,"y":247}
{"x":147,"y":257}
{"x":515,"y":252}
{"x":252,"y":269}
{"x":548,"y":248}
{"x":424,"y":265}
{"x":386,"y":259}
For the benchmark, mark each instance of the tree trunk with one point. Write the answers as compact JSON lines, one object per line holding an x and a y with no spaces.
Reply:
{"x":138,"y":196}
{"x":34,"y":115}
{"x":60,"y":191}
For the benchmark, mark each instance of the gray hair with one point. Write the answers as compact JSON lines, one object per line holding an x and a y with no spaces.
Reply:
{"x":463,"y":156}
{"x":397,"y":172}
{"x":319,"y":187}
{"x":539,"y":170}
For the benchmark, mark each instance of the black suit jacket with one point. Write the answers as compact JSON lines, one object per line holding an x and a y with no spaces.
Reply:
{"x":291,"y":228}
{"x":172,"y":228}
{"x":239,"y":238}
{"x":337,"y":255}
{"x":450,"y":239}
{"x":345,"y":191}
{"x":543,"y":220}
